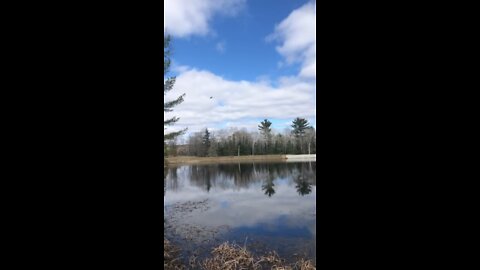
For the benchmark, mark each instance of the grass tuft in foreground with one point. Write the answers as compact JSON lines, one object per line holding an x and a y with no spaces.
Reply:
{"x":171,"y":260}
{"x":232,"y":257}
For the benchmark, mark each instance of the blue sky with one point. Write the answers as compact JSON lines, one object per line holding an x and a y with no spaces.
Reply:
{"x":256,"y":59}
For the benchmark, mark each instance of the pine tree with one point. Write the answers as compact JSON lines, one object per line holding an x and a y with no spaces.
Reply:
{"x":167,"y":86}
{"x":266,"y":131}
{"x":206,"y":142}
{"x":299,"y":125}
{"x":264,"y":128}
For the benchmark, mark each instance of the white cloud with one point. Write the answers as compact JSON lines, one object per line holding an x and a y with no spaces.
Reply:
{"x":183,"y":18}
{"x":238,"y":102}
{"x":297,"y":35}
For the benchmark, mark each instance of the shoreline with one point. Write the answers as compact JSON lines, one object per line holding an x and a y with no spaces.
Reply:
{"x":224,"y":159}
{"x":238,"y":159}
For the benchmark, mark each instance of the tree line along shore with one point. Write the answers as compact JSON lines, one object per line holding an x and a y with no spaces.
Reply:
{"x":224,"y":159}
{"x":299,"y":139}
{"x":236,"y":159}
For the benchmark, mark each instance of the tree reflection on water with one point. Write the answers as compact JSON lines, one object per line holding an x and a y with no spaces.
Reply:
{"x":273,"y":203}
{"x":268,"y":187}
{"x":303,"y":186}
{"x":244,"y":175}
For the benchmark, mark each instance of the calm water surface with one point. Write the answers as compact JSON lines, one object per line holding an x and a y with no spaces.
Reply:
{"x":263,"y":206}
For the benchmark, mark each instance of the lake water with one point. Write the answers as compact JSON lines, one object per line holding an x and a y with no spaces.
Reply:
{"x":263,"y":206}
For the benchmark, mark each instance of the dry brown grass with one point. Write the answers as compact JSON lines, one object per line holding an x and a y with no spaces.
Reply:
{"x":232,"y":257}
{"x":171,"y":260}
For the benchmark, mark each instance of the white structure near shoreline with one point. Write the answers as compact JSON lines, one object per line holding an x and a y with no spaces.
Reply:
{"x":301,"y":157}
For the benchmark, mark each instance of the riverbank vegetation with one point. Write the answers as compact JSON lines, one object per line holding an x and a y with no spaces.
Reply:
{"x":300,"y":139}
{"x":229,"y":256}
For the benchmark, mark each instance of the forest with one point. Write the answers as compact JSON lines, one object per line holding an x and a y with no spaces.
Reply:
{"x":299,"y":139}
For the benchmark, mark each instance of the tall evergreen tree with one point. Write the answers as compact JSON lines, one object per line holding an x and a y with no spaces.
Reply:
{"x":206,"y":141}
{"x":299,"y":125}
{"x":167,"y":86}
{"x":264,"y":127}
{"x":266,"y":131}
